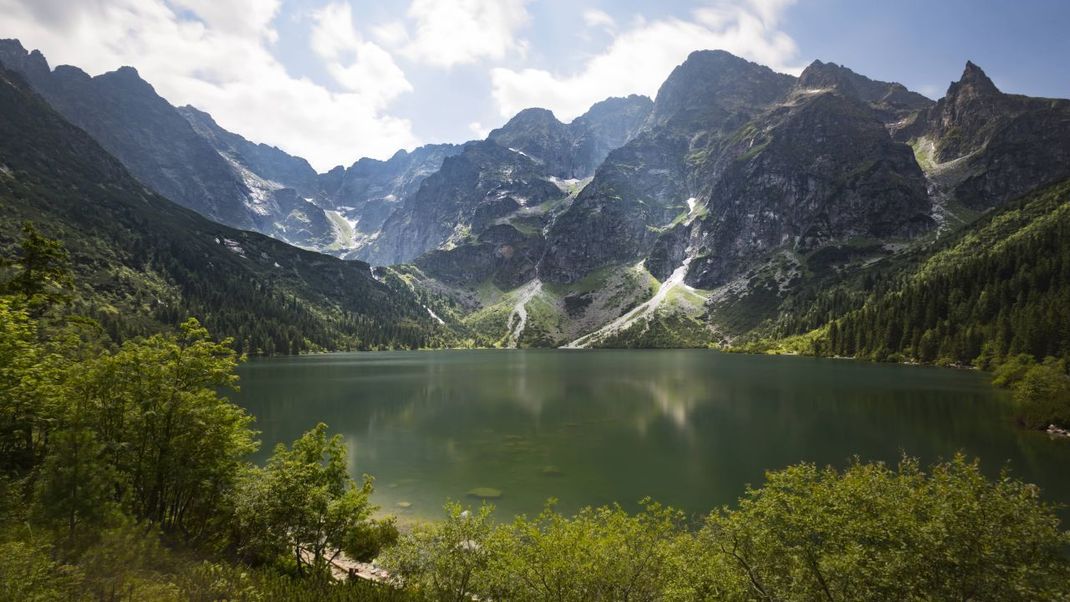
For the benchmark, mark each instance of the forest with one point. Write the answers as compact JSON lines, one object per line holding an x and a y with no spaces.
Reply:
{"x":992,"y":296}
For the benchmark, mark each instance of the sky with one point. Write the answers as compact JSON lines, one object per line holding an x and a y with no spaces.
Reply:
{"x":336,"y":80}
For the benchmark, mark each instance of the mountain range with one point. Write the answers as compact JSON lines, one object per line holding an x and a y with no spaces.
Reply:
{"x":712,"y":214}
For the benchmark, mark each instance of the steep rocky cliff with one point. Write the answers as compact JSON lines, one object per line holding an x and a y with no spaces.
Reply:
{"x":982,"y":147}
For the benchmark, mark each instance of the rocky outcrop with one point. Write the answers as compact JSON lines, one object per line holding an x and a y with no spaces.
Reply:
{"x":472,"y":190}
{"x":370,"y":190}
{"x":126,"y":116}
{"x":501,"y":254}
{"x":574,"y":150}
{"x":520,"y":166}
{"x":891,"y":101}
{"x":816,"y":170}
{"x":644,"y":185}
{"x":268,"y":162}
{"x":999,"y":146}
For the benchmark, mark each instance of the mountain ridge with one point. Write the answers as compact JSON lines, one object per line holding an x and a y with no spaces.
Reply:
{"x":708,"y":210}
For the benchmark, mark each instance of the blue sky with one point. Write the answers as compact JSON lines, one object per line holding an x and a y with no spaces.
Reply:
{"x":334,"y":80}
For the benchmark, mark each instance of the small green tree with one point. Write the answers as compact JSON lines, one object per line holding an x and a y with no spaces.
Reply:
{"x":76,"y":488}
{"x":304,"y":503}
{"x":449,"y":560}
{"x":1042,"y":395}
{"x":32,"y":377}
{"x":44,"y":272}
{"x":598,"y":554}
{"x":177,"y":444}
{"x":27,"y":572}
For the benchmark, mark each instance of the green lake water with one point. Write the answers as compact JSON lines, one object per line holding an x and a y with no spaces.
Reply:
{"x":688,"y":428}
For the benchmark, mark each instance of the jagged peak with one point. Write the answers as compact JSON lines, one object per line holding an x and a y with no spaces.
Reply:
{"x":69,"y":72}
{"x":973,"y":80}
{"x":827,"y":75}
{"x":127,"y":71}
{"x":534,"y":117}
{"x":618,"y":101}
{"x":533,"y":114}
{"x":14,"y":56}
{"x":13,"y":44}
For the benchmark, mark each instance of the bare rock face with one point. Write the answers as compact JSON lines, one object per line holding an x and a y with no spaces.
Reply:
{"x":576,"y":149}
{"x":816,"y":170}
{"x":483,"y":183}
{"x":518,"y":168}
{"x":183,"y":154}
{"x":266,"y":161}
{"x":126,"y":116}
{"x":644,"y":184}
{"x":771,"y":162}
{"x":501,"y":254}
{"x":891,"y":101}
{"x":370,"y":189}
{"x":990,"y":146}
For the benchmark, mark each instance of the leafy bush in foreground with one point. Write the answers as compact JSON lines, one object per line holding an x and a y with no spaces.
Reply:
{"x":870,"y":532}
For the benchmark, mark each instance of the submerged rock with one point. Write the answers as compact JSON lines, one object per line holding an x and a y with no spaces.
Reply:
{"x":485,"y":493}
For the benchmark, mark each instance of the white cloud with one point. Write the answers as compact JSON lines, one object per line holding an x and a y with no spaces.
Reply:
{"x":216,"y":55}
{"x":454,"y":32}
{"x":370,"y":69}
{"x":479,"y":130}
{"x":598,"y":18}
{"x":638,"y":59}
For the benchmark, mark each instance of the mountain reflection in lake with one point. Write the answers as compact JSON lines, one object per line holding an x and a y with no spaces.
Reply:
{"x":689,"y":428}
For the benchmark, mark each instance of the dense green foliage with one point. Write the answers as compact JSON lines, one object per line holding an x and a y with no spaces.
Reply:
{"x":124,"y":470}
{"x":143,"y":264}
{"x":1000,"y":289}
{"x":870,"y":532}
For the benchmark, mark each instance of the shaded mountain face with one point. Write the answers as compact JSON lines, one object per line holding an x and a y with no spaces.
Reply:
{"x":982,"y":147}
{"x":370,"y":190}
{"x":575,"y":150}
{"x":817,"y":170}
{"x":645,"y":184}
{"x":515,"y":175}
{"x":472,"y":191}
{"x":126,"y":116}
{"x":891,"y":101}
{"x":138,"y":255}
{"x":182,"y":154}
{"x":268,"y":162}
{"x":738,"y":162}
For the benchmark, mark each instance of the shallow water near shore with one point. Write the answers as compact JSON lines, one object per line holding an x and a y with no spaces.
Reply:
{"x":689,"y":428}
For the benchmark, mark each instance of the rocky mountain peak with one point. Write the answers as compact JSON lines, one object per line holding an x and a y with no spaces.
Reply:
{"x":712,"y":83}
{"x":819,"y":75}
{"x":532,"y":116}
{"x":14,"y":56}
{"x":892,"y":101}
{"x":575,"y":149}
{"x":129,"y":79}
{"x":529,"y":123}
{"x":616,"y":119}
{"x":974,"y":82}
